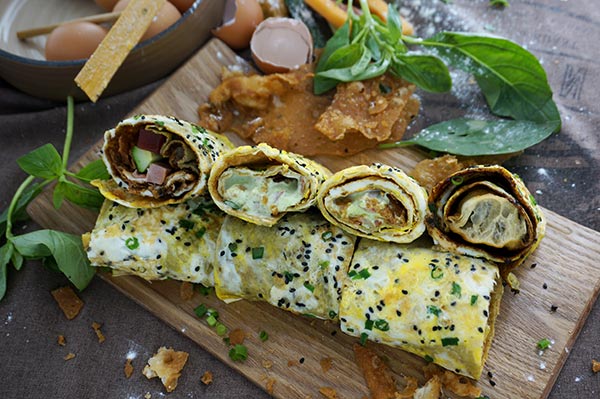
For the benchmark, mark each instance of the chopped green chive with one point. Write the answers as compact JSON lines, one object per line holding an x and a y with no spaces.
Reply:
{"x":382,"y":325}
{"x":437,"y":273}
{"x":263,"y":336}
{"x":456,"y":289}
{"x":332,"y":314}
{"x":543,"y":343}
{"x":363,"y":338}
{"x":211,"y":320}
{"x":199,"y":211}
{"x":258,"y":252}
{"x":213,"y":312}
{"x":369,"y":324}
{"x":288,"y":277}
{"x":227,"y":341}
{"x":428,"y":359}
{"x":221,"y":329}
{"x":449,"y":341}
{"x":364,"y":274}
{"x":499,"y":3}
{"x":532,"y":200}
{"x":159,"y":123}
{"x":201,"y":310}
{"x":327,"y":235}
{"x":205,"y":142}
{"x":324,"y":264}
{"x":350,"y":329}
{"x":457,"y":180}
{"x":474,"y":299}
{"x":204,"y":290}
{"x":132,"y":243}
{"x":309,"y":286}
{"x":232,"y":246}
{"x":186,"y":224}
{"x":434,"y":310}
{"x":232,"y":204}
{"x":238,"y":353}
{"x":200,"y":232}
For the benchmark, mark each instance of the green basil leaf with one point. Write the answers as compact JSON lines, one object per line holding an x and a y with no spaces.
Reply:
{"x":66,"y":249}
{"x":83,"y":196}
{"x":394,"y":24}
{"x":6,"y":252}
{"x":362,"y":63}
{"x":375,"y":69}
{"x":92,"y":171}
{"x":17,"y":260}
{"x":344,"y":57}
{"x":340,"y":38}
{"x":323,"y":85}
{"x":50,"y":264}
{"x":426,"y":71}
{"x":58,"y":194}
{"x":475,"y":137}
{"x":511,"y":78}
{"x":44,"y":162}
{"x":373,"y":47}
{"x":20,"y":211}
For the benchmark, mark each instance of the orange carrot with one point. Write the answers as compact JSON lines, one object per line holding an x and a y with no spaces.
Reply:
{"x":329,"y":10}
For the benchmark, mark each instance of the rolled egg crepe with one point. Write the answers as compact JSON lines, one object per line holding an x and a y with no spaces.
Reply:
{"x":158,"y":160}
{"x":378,"y":202}
{"x":434,"y":304}
{"x":174,"y":241}
{"x":486,"y":211}
{"x":260,"y":184}
{"x":298,"y":265}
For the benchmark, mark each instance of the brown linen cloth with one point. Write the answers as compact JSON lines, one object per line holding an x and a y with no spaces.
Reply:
{"x":562,"y":172}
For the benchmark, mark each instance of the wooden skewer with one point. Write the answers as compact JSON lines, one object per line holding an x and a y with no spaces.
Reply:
{"x":43,"y":30}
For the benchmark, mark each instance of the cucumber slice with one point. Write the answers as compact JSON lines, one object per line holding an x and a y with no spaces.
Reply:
{"x":143,"y":158}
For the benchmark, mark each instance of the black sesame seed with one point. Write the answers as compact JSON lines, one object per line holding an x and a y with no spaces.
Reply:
{"x":222,"y":253}
{"x":405,"y":292}
{"x":553,"y":308}
{"x":197,"y":269}
{"x":489,"y":373}
{"x":485,"y":313}
{"x":301,"y":360}
{"x":398,"y":313}
{"x":533,"y":265}
{"x":545,"y":286}
{"x":480,"y":329}
{"x":493,"y":383}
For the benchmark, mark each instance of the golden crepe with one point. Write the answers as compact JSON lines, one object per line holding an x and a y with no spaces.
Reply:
{"x":260,"y":184}
{"x":377,"y":201}
{"x":486,"y":211}
{"x":437,"y":305}
{"x":158,"y":160}
{"x":175,"y":241}
{"x":297,"y":265}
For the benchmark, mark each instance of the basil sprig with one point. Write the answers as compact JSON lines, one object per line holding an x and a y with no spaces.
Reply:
{"x":58,"y":250}
{"x":511,"y":79}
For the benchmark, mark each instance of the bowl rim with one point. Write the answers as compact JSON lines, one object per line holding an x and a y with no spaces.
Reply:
{"x":80,"y":62}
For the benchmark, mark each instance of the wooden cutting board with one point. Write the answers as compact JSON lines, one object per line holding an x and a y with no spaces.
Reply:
{"x":566,"y":275}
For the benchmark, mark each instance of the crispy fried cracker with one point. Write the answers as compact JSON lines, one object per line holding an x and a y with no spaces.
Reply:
{"x":431,"y":390}
{"x":68,"y":301}
{"x":167,"y":365}
{"x":595,"y":366}
{"x":96,"y":327}
{"x":128,"y":369}
{"x":61,"y":340}
{"x":69,"y":356}
{"x":237,"y":336}
{"x":376,"y":372}
{"x":207,"y":378}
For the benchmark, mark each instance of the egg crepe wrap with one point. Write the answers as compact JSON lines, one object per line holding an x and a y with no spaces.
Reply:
{"x":260,"y":184}
{"x":486,"y":211}
{"x":172,"y":167}
{"x":377,"y":201}
{"x":437,"y":305}
{"x":174,"y":241}
{"x":298,"y":265}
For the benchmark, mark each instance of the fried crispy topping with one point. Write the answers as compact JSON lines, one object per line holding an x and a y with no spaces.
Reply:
{"x":270,"y":385}
{"x":409,"y":391}
{"x":429,"y":172}
{"x":167,"y":365}
{"x":68,"y":301}
{"x":376,"y":372}
{"x":326,"y":363}
{"x":186,"y":290}
{"x":595,"y":366}
{"x":237,"y":337}
{"x":207,"y":378}
{"x":431,"y":390}
{"x":69,"y":356}
{"x":61,"y":340}
{"x":328,"y":392}
{"x":128,"y":369}
{"x":96,"y":327}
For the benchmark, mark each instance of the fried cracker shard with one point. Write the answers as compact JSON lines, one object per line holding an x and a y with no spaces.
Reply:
{"x":68,"y":301}
{"x":167,"y":365}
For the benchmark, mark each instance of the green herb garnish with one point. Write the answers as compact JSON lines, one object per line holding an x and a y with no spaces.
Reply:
{"x":457,"y":180}
{"x":450,"y":341}
{"x":221,"y":329}
{"x":456,"y":289}
{"x":200,"y":232}
{"x":186,"y":224}
{"x":64,"y":252}
{"x":434,"y":310}
{"x":324,"y":264}
{"x":512,"y":80}
{"x":382,"y":325}
{"x":258,"y":252}
{"x":203,"y":290}
{"x":211,"y":320}
{"x":263,"y":336}
{"x":437,"y":273}
{"x":326,"y":235}
{"x":544,"y":344}
{"x":332,"y":314}
{"x":232,"y":246}
{"x":200,"y":310}
{"x":132,"y":243}
{"x":363,"y":338}
{"x":309,"y":286}
{"x":428,"y":358}
{"x":499,"y":3}
{"x":369,"y":324}
{"x":474,"y":299}
{"x":238,"y":353}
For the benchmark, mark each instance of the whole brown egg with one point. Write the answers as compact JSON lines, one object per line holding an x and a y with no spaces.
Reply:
{"x":165,"y":17}
{"x":73,"y":41}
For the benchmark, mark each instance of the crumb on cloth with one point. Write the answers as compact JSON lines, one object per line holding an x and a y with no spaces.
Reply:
{"x":61,"y":340}
{"x":595,"y":366}
{"x":96,"y":327}
{"x":128,"y":369}
{"x":207,"y":378}
{"x":167,"y":365}
{"x":68,"y":301}
{"x":69,"y":356}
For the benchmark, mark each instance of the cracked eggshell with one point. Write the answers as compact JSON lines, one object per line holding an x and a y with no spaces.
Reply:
{"x":281,"y":44}
{"x":240,"y":19}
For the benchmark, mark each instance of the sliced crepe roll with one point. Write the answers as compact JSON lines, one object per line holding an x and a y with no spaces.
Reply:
{"x":378,"y":202}
{"x":298,"y":265}
{"x":434,"y":304}
{"x":260,"y":184}
{"x":158,"y":160}
{"x":176,"y":241}
{"x":486,"y":211}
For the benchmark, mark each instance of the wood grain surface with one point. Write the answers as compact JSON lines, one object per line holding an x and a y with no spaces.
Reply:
{"x":563,"y":272}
